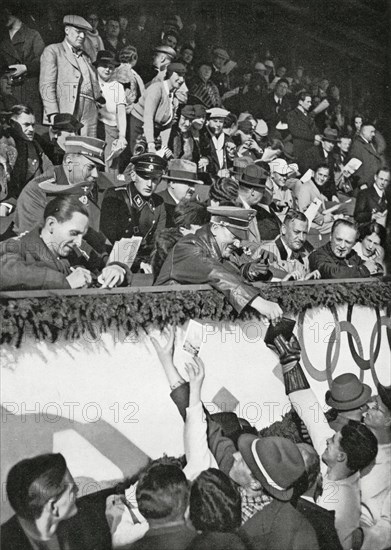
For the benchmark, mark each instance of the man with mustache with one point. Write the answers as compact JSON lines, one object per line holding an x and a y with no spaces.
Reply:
{"x":205,"y":258}
{"x":337,"y":259}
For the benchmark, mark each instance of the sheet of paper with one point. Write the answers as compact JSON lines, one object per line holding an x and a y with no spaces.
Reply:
{"x":352,"y":166}
{"x":312,"y":210}
{"x":125,"y":251}
{"x":307,"y":176}
{"x":193,"y":338}
{"x":335,"y":207}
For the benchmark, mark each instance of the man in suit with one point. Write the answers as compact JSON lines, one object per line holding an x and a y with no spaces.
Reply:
{"x":301,"y":125}
{"x":42,"y":492}
{"x":162,"y":496}
{"x":363,"y":149}
{"x":276,"y":108}
{"x":181,"y":178}
{"x":290,"y":248}
{"x":22,"y":49}
{"x":213,"y":142}
{"x":320,"y":154}
{"x":337,"y":259}
{"x":68,"y":82}
{"x":322,"y":520}
{"x":372,"y":203}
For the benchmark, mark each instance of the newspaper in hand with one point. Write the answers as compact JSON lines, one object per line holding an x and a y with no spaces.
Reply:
{"x":125,"y":251}
{"x":352,"y":166}
{"x":307,"y":176}
{"x":312,"y":210}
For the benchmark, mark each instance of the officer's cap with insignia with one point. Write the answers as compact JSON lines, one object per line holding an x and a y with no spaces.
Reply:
{"x":236,"y":219}
{"x":149,"y":165}
{"x":81,"y":189}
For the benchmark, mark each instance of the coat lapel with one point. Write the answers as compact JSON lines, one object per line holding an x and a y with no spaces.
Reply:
{"x":70,"y":55}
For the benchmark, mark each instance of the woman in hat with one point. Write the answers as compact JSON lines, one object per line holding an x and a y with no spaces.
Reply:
{"x":112,"y":115}
{"x":203,"y":89}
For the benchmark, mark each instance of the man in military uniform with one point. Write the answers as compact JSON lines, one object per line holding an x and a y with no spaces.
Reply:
{"x":135,"y":209}
{"x":205,"y":257}
{"x":83,"y":156}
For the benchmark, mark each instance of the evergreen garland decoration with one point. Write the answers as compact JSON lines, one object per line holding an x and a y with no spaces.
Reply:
{"x":71,"y":317}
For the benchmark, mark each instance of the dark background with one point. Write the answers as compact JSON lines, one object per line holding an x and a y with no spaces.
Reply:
{"x":348,"y":41}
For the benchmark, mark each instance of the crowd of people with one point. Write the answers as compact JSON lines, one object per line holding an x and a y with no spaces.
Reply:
{"x":327,"y":488}
{"x":163,"y":139}
{"x":207,"y":170}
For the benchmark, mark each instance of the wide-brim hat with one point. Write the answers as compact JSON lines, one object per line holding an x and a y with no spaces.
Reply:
{"x":182,"y":171}
{"x":79,"y":189}
{"x":239,"y":165}
{"x":90,"y":147}
{"x":236,"y":219}
{"x":105,"y":58}
{"x":330,"y":134}
{"x":253,"y":176}
{"x":347,"y":392}
{"x":66,"y":122}
{"x":385,"y":395}
{"x":275,"y":462}
{"x":76,"y":21}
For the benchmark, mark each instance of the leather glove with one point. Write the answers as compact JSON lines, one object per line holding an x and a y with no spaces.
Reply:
{"x":288,"y":352}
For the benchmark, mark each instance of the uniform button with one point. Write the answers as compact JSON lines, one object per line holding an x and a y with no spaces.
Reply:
{"x":127,"y":231}
{"x":129,"y":219}
{"x":153,"y":222}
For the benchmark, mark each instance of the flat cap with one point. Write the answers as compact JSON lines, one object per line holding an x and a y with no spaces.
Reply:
{"x":234,"y":218}
{"x":217,"y":112}
{"x":76,"y":21}
{"x":220,"y":52}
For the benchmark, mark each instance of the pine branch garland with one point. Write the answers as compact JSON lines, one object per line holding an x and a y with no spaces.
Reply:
{"x":71,"y":317}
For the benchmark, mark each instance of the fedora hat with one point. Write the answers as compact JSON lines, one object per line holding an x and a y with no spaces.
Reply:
{"x":66,"y":122}
{"x":182,"y":171}
{"x":253,"y":176}
{"x":330,"y":134}
{"x":105,"y":58}
{"x":385,"y":395}
{"x":347,"y":392}
{"x":275,"y":461}
{"x":239,"y":165}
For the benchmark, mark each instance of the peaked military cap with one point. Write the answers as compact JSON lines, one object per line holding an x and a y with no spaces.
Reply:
{"x":149,"y":165}
{"x":236,"y":219}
